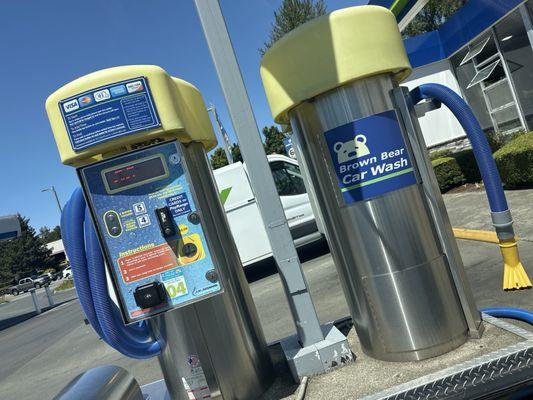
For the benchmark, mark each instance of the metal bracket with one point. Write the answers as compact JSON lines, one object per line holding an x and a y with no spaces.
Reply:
{"x":332,"y":352}
{"x":424,"y":107}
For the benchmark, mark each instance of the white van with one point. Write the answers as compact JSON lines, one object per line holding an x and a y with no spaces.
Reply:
{"x":243,"y":214}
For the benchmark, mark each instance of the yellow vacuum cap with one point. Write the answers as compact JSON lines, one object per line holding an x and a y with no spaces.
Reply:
{"x":329,"y":51}
{"x":110,"y":110}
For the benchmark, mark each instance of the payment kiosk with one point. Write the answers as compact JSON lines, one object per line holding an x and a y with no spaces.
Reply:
{"x":173,"y":285}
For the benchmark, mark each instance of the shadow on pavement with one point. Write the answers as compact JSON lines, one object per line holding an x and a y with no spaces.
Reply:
{"x":267,"y":267}
{"x":17,"y":319}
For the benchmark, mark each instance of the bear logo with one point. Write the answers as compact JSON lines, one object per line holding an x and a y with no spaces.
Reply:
{"x":351,"y":149}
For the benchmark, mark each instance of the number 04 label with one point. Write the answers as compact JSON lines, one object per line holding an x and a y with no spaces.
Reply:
{"x":174,"y":282}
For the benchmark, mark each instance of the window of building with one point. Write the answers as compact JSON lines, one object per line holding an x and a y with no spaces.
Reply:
{"x":483,"y":74}
{"x":518,"y":54}
{"x":485,"y":68}
{"x":288,"y":178}
{"x":474,"y":95}
{"x":475,"y":50}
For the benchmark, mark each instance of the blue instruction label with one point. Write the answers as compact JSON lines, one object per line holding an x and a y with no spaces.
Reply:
{"x":179,"y":204}
{"x":370,"y":157}
{"x":108,"y":112}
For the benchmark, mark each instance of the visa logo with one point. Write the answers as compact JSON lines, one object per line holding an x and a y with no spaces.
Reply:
{"x":71,"y":105}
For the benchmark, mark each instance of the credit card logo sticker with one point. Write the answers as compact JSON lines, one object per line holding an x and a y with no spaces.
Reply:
{"x":71,"y":105}
{"x":117,"y":91}
{"x":102,"y":95}
{"x":86,"y":101}
{"x":133,"y":87}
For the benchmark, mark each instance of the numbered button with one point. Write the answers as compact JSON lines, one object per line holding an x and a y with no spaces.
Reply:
{"x":143,"y":220}
{"x":139,"y":208}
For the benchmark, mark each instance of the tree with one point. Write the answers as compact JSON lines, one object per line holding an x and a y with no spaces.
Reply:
{"x":236,"y":153}
{"x":218,"y":159}
{"x":48,"y":235}
{"x":433,"y":15}
{"x":273,"y":140}
{"x":25,"y":255}
{"x":291,"y":14}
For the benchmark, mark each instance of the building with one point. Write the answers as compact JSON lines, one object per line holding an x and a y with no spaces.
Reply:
{"x":58,"y":252}
{"x":484,"y":51}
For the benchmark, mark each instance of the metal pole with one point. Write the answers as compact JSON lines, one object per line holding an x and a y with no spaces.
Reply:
{"x":49,"y":295}
{"x":53,"y":190}
{"x":35,"y":301}
{"x":245,"y":126}
{"x":223,"y":134}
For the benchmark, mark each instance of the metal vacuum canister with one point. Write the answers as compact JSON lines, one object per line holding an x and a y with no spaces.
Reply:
{"x":216,"y":346}
{"x":331,"y":79}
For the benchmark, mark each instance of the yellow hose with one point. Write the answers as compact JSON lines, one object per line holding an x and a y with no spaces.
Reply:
{"x":514,"y":274}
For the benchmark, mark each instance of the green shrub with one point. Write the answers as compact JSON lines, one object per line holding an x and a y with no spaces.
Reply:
{"x":515,"y":161}
{"x":439,"y":154}
{"x":448,"y":173}
{"x":496,"y":140}
{"x":467,"y":164}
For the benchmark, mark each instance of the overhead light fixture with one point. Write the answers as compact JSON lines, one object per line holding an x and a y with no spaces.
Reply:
{"x":507,"y":38}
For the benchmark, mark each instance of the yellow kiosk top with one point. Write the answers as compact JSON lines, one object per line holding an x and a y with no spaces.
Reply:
{"x":330,"y":51}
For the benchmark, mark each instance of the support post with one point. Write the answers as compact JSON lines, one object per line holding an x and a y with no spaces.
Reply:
{"x":49,"y":295}
{"x":309,"y":332}
{"x":35,"y":301}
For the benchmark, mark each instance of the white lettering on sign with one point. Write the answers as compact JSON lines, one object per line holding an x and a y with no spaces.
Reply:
{"x":391,"y":154}
{"x":71,"y":105}
{"x":389,"y":167}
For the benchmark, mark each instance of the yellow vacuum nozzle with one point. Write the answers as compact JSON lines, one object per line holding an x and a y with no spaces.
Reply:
{"x":514,"y":274}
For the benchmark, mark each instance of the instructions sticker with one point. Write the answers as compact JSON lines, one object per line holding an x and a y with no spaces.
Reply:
{"x":108,"y":112}
{"x":370,"y":157}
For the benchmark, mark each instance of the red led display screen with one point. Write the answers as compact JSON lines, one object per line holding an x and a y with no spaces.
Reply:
{"x":135,"y":174}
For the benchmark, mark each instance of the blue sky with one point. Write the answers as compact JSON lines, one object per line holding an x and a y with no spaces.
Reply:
{"x":45,"y":44}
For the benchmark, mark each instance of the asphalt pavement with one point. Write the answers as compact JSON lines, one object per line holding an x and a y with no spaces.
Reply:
{"x":47,"y":351}
{"x":20,"y":308}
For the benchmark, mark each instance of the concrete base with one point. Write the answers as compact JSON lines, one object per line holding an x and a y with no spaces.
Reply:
{"x":334,"y":351}
{"x":373,"y":379}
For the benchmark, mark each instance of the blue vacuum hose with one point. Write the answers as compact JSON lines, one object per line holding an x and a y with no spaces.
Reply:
{"x":88,"y":268}
{"x":513,"y":313}
{"x":480,"y":145}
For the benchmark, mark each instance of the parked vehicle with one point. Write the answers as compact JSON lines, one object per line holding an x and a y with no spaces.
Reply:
{"x":57,"y":275}
{"x":24,"y":285}
{"x":66,"y":273}
{"x":243,"y":214}
{"x":43,"y":279}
